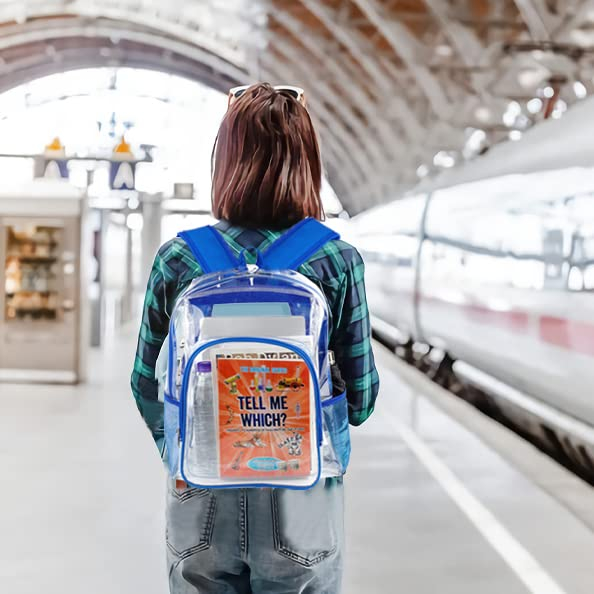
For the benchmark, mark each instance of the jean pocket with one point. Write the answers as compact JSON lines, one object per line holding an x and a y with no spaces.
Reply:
{"x":336,"y":448}
{"x":307,"y":523}
{"x":190,"y":520}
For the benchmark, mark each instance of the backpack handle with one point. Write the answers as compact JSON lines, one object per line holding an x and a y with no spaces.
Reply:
{"x":243,"y":263}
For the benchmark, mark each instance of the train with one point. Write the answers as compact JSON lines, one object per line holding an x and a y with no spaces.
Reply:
{"x":492,"y":264}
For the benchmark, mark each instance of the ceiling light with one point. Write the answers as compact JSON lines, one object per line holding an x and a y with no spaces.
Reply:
{"x":444,"y":159}
{"x":443,"y":50}
{"x":515,"y":135}
{"x":530,"y":78}
{"x":534,"y":105}
{"x":560,"y":109}
{"x":512,"y":112}
{"x":422,"y":171}
{"x":475,"y":140}
{"x":548,"y":92}
{"x":580,"y":89}
{"x":522,"y":122}
{"x":482,"y":113}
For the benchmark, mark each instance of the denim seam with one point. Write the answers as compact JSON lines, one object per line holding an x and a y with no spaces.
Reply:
{"x":174,"y":566}
{"x":243,"y":522}
{"x":283,"y":550}
{"x":188,"y":494}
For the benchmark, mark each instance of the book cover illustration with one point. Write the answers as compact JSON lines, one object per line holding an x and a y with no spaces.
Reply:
{"x":264,"y":418}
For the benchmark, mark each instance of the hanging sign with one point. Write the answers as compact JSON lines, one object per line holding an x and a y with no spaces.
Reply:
{"x":122,"y":169}
{"x":55,"y":164}
{"x":122,"y":175}
{"x":56,"y":169}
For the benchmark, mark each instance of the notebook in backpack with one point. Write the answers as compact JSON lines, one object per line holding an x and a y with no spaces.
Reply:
{"x":248,"y":398}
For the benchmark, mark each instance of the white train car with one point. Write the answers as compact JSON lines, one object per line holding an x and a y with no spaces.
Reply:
{"x":494,"y":264}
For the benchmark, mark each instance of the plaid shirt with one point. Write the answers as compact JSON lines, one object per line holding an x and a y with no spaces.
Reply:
{"x":337,"y":269}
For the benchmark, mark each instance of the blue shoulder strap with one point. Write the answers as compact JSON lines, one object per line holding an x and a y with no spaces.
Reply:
{"x":210,"y":249}
{"x":297,"y":245}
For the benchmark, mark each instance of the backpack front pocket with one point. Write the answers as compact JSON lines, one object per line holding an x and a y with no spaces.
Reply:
{"x":250,"y":415}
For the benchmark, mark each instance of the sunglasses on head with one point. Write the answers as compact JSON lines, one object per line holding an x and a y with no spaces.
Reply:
{"x":296,"y":92}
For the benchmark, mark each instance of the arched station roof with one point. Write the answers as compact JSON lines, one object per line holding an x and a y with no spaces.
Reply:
{"x":398,"y":87}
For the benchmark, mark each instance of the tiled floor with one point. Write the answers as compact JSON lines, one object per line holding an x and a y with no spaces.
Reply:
{"x":82,"y":491}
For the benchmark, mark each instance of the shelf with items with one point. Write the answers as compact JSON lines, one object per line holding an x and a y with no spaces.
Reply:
{"x":34,"y":259}
{"x":32,"y":274}
{"x":25,"y":292}
{"x":34,"y":304}
{"x":29,"y":276}
{"x":28,"y":246}
{"x":34,"y":314}
{"x":33,"y":242}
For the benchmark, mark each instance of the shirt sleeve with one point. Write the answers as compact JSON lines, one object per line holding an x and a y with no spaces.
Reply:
{"x":352,"y":343}
{"x":154,"y":328}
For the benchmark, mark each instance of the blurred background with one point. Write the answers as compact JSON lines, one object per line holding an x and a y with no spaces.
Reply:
{"x":458,"y":152}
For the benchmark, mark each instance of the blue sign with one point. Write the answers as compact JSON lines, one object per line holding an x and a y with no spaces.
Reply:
{"x":122,"y":175}
{"x":56,"y":169}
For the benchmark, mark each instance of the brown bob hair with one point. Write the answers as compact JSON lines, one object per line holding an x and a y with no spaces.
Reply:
{"x":266,"y":164}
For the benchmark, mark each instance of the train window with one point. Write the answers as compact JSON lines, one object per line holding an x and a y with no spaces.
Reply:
{"x":576,"y":280}
{"x":589,"y":278}
{"x":403,"y":215}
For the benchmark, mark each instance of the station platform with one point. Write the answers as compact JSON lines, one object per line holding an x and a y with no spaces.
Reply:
{"x":431,"y":506}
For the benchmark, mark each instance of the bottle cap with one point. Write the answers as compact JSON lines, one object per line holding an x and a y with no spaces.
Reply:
{"x":204,"y":367}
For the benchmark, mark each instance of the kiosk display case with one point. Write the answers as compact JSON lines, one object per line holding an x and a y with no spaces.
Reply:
{"x":41,"y":320}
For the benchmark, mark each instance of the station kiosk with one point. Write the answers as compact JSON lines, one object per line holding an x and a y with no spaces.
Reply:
{"x":42,"y":329}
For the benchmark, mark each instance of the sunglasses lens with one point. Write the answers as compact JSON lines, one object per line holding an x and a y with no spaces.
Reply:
{"x":293,"y":92}
{"x":236,"y":92}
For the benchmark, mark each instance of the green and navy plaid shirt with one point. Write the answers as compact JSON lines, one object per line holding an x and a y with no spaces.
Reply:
{"x":337,"y":269}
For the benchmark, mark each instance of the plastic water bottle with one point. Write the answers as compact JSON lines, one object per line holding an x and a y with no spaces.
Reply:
{"x":204,"y":425}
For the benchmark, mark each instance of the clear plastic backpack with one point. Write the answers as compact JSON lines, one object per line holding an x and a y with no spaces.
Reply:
{"x":248,"y":395}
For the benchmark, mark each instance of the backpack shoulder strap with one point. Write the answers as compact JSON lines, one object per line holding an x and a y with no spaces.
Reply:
{"x":210,"y":249}
{"x":297,"y":245}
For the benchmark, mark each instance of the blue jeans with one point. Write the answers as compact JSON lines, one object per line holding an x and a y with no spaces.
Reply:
{"x":256,"y":541}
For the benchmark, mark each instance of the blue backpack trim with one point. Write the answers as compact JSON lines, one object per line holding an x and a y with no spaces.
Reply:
{"x":210,"y":249}
{"x":297,"y":245}
{"x":183,"y":407}
{"x":288,"y":252}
